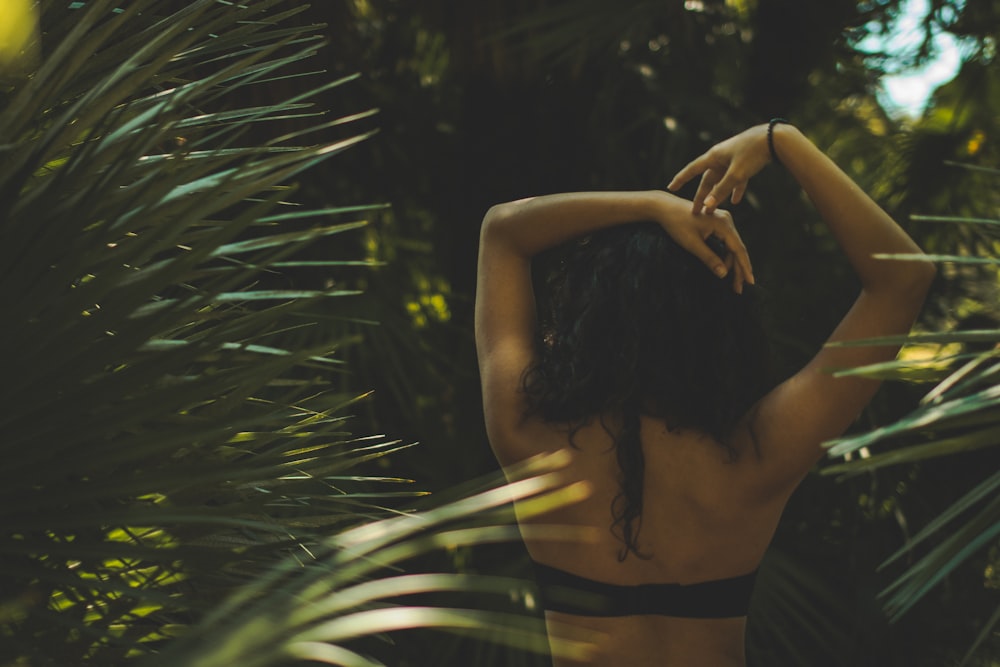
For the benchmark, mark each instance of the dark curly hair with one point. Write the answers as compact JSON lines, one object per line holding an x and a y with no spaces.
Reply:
{"x":632,"y":324}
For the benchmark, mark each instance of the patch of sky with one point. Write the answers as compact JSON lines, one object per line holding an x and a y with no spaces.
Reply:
{"x":905,"y":88}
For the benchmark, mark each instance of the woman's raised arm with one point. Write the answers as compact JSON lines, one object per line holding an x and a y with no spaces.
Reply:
{"x":861,"y":228}
{"x":534,"y":224}
{"x":813,"y":406}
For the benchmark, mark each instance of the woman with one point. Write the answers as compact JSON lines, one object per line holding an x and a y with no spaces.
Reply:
{"x":648,"y":370}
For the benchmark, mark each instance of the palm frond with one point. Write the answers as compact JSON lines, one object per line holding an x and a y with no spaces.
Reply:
{"x":165,"y":446}
{"x":308,"y":610}
{"x":160,"y":439}
{"x":961,"y":414}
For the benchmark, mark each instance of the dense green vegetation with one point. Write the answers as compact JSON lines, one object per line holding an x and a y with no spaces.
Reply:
{"x":191,"y":289}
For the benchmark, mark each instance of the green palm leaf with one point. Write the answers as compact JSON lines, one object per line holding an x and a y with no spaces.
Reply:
{"x":166,"y":446}
{"x":343,"y":594}
{"x":960,"y":414}
{"x":161,"y":443}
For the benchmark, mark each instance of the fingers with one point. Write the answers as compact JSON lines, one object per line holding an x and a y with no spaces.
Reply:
{"x":739,"y":279}
{"x":708,"y":180}
{"x":739,"y":258}
{"x":738,"y":192}
{"x":735,"y":272}
{"x":713,"y":190}
{"x":692,"y":234}
{"x":718,"y":182}
{"x":695,"y":243}
{"x":728,"y":186}
{"x":709,"y":177}
{"x":715,"y":186}
{"x":692,"y":169}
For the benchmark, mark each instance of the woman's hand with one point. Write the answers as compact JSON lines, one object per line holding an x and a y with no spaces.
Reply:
{"x":726,"y":168}
{"x":691,"y":230}
{"x":528,"y":226}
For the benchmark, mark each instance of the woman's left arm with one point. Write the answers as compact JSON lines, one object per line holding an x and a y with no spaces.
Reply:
{"x":515,"y":232}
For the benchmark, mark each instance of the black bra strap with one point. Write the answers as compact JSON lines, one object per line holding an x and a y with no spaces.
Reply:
{"x":572,"y":594}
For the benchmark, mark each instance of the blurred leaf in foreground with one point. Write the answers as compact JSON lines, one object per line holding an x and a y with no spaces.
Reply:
{"x":18,"y":36}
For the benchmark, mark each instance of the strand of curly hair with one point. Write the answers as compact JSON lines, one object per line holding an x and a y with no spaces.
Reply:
{"x":626,"y":509}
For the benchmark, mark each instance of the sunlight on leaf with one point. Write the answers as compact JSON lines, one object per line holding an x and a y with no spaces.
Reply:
{"x":18,"y":36}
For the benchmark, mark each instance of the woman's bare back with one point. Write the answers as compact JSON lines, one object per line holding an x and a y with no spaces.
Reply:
{"x":697,"y":525}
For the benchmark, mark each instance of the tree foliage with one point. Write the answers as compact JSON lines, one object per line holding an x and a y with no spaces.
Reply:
{"x":172,"y":465}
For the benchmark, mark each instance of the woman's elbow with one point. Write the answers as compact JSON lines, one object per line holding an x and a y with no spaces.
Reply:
{"x":500,"y":212}
{"x":493,"y":217}
{"x":498,"y":221}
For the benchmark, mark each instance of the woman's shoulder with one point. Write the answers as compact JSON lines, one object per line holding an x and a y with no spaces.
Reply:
{"x":529,"y":436}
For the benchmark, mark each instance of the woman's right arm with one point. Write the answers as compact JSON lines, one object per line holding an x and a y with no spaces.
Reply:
{"x":792,"y":421}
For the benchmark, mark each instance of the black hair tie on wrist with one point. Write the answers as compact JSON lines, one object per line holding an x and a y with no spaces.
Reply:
{"x":770,"y":137}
